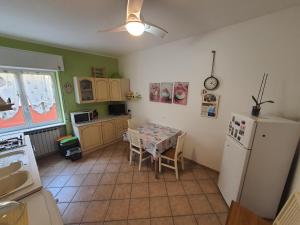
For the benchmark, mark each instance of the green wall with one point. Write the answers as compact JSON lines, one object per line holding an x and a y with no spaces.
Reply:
{"x":76,"y":64}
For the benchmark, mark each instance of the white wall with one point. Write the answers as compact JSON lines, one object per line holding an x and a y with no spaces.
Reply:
{"x":244,"y":52}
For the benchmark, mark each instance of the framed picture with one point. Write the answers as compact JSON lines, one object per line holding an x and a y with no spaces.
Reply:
{"x":154,"y":92}
{"x":166,"y":92}
{"x":180,"y":95}
{"x":97,"y":72}
{"x":209,"y":106}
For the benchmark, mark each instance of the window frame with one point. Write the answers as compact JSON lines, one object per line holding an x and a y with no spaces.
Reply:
{"x":29,"y":125}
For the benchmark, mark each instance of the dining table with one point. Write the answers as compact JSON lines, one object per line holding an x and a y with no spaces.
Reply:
{"x":157,"y":139}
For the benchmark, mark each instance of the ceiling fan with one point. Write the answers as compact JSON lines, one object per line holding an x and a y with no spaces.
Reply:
{"x":135,"y":23}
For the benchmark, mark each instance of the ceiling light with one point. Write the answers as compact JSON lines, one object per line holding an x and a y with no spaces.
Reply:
{"x":135,"y":28}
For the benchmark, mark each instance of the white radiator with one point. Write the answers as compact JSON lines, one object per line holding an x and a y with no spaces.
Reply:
{"x":44,"y":140}
{"x":290,"y":213}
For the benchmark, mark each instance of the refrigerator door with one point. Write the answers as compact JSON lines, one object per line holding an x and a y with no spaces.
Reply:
{"x":233,"y":167}
{"x":242,"y":128}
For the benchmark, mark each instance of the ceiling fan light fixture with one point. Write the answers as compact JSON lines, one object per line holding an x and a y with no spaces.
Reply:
{"x":135,"y":28}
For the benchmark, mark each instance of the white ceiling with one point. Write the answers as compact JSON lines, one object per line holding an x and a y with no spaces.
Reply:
{"x":74,"y":23}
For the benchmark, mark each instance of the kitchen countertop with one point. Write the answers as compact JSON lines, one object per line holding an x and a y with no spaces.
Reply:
{"x":102,"y":119}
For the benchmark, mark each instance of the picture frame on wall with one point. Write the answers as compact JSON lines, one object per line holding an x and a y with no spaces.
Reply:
{"x":166,"y":92}
{"x":210,"y":105}
{"x":180,"y":93}
{"x":154,"y":92}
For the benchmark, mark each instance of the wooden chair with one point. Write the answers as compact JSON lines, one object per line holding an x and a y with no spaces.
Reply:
{"x":173,"y":155}
{"x":136,"y":147}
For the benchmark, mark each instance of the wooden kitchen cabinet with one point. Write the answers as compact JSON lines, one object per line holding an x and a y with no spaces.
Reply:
{"x":90,"y":136}
{"x":108,"y":131}
{"x":118,"y":89}
{"x":84,"y":89}
{"x":102,"y":89}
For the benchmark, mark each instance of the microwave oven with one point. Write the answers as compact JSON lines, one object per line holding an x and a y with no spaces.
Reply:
{"x":81,"y":117}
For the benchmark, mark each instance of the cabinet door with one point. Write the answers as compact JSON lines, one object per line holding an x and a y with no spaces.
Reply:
{"x":119,"y":128}
{"x":90,"y":136}
{"x":102,"y":89}
{"x":84,"y":89}
{"x":108,"y":131}
{"x":115,"y":89}
{"x":125,"y":124}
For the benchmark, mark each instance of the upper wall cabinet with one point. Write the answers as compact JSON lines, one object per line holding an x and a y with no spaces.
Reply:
{"x":118,"y":89}
{"x":84,"y":89}
{"x":88,"y":89}
{"x":102,"y":89}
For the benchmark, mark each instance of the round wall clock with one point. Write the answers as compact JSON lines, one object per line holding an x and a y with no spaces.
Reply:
{"x":211,"y":82}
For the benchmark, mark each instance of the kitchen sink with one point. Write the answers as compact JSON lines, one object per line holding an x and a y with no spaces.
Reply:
{"x":11,"y":168}
{"x":7,"y":158}
{"x":14,"y":182}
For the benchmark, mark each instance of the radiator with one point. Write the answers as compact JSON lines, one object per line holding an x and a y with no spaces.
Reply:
{"x":44,"y":140}
{"x":290,"y":213}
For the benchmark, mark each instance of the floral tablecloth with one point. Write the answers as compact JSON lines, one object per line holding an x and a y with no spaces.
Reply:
{"x":157,"y":138}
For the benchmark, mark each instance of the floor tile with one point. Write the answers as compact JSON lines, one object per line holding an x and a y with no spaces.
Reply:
{"x":109,"y":178}
{"x":152,"y":178}
{"x":200,"y":173}
{"x":157,"y":189}
{"x":46,"y":180}
{"x":186,"y":175}
{"x":139,"y":222}
{"x":112,"y":168}
{"x":191,"y":187}
{"x":84,"y":168}
{"x":92,"y":179}
{"x":125,"y":167}
{"x":186,"y":220}
{"x":139,"y":208}
{"x":200,"y":204}
{"x":222,"y":218}
{"x":59,"y":181}
{"x":140,"y":190}
{"x":124,"y":178}
{"x":121,"y":191}
{"x":180,"y":206}
{"x":208,"y":186}
{"x":74,"y":212}
{"x":117,"y":222}
{"x":140,"y":177}
{"x":62,"y":207}
{"x":75,"y":180}
{"x":95,"y":211}
{"x":208,"y":219}
{"x":84,"y":194}
{"x":98,"y":168}
{"x":118,"y":210}
{"x":174,"y":188}
{"x":169,"y":175}
{"x":162,"y":221}
{"x":66,"y":194}
{"x":217,"y":203}
{"x":159,"y":207}
{"x":103,"y":192}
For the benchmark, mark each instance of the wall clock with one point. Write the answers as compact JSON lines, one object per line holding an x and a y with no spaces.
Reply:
{"x":211,"y":82}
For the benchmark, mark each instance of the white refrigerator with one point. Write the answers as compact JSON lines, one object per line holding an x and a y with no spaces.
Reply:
{"x":256,"y":160}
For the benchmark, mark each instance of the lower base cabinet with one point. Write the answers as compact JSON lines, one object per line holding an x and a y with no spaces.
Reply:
{"x":101,"y":133}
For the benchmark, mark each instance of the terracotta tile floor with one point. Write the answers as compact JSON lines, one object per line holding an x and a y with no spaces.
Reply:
{"x":102,"y":188}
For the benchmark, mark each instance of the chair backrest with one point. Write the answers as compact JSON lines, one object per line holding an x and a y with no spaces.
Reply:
{"x":179,"y":145}
{"x":132,"y":123}
{"x":134,"y":138}
{"x":290,"y":213}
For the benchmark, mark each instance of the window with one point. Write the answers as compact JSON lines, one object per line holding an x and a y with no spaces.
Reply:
{"x":35,"y":98}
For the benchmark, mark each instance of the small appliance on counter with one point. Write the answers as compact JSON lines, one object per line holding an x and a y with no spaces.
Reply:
{"x":81,"y":117}
{"x":117,"y":109}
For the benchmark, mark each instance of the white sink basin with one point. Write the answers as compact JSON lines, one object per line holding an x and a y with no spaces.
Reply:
{"x":14,"y":182}
{"x":11,"y":168}
{"x":7,"y":158}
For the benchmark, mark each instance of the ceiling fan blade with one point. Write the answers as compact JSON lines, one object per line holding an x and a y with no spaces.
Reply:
{"x":134,"y":8}
{"x":155,"y":30}
{"x":116,"y":29}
